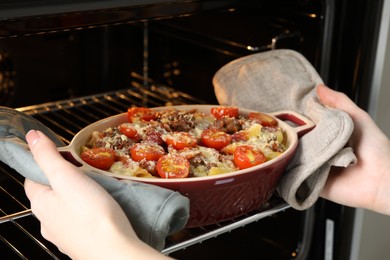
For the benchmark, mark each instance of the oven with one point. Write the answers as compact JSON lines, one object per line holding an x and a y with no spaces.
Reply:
{"x":95,"y":58}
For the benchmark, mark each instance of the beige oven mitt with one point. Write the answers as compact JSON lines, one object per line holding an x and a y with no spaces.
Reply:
{"x":154,"y":212}
{"x":284,"y":80}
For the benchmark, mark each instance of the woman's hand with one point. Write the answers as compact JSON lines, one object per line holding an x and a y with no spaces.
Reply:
{"x":76,"y":213}
{"x":366,"y":184}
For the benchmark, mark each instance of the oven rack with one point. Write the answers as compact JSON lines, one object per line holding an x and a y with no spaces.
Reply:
{"x":66,"y":118}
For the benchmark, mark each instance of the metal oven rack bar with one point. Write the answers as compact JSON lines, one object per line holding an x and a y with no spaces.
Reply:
{"x":66,"y":118}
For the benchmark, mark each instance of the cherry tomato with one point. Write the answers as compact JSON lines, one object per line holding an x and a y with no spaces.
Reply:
{"x":136,"y":114}
{"x":262,"y":119}
{"x":173,"y":166}
{"x":147,"y":151}
{"x":214,"y":138}
{"x":181,"y":140}
{"x":101,"y":158}
{"x":128,"y":130}
{"x":246,"y":156}
{"x":219,"y":112}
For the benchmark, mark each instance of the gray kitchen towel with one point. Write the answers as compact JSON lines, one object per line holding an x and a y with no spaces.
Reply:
{"x":154,"y":212}
{"x":284,"y":80}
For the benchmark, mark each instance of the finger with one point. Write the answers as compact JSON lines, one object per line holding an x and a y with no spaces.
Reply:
{"x":335,"y":99}
{"x":50,"y":160}
{"x":32,"y":189}
{"x":41,"y":197}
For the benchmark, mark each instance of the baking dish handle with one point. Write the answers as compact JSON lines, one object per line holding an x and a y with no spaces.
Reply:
{"x":299,"y":123}
{"x":65,"y":151}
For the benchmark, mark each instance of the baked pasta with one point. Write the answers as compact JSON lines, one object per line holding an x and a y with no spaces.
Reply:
{"x":184,"y":143}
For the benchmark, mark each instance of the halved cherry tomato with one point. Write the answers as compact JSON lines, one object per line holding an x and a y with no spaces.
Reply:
{"x":181,"y":140}
{"x":101,"y":158}
{"x":262,"y":119}
{"x":148,"y":151}
{"x":214,"y":138}
{"x":246,"y":156}
{"x":173,"y":166}
{"x":128,"y":130}
{"x":219,"y":112}
{"x":136,"y":114}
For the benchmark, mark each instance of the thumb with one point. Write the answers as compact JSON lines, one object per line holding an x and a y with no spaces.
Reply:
{"x":331,"y":98}
{"x":49,"y":159}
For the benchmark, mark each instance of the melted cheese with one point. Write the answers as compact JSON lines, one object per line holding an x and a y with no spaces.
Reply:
{"x":204,"y":161}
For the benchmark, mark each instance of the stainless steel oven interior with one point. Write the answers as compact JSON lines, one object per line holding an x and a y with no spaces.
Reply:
{"x":70,"y":65}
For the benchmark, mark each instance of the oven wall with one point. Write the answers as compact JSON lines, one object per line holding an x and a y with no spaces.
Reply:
{"x":56,"y":66}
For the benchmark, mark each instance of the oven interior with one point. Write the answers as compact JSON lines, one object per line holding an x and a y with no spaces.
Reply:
{"x":69,"y":78}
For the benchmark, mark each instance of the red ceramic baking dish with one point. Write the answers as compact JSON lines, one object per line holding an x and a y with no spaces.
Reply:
{"x":219,"y":197}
